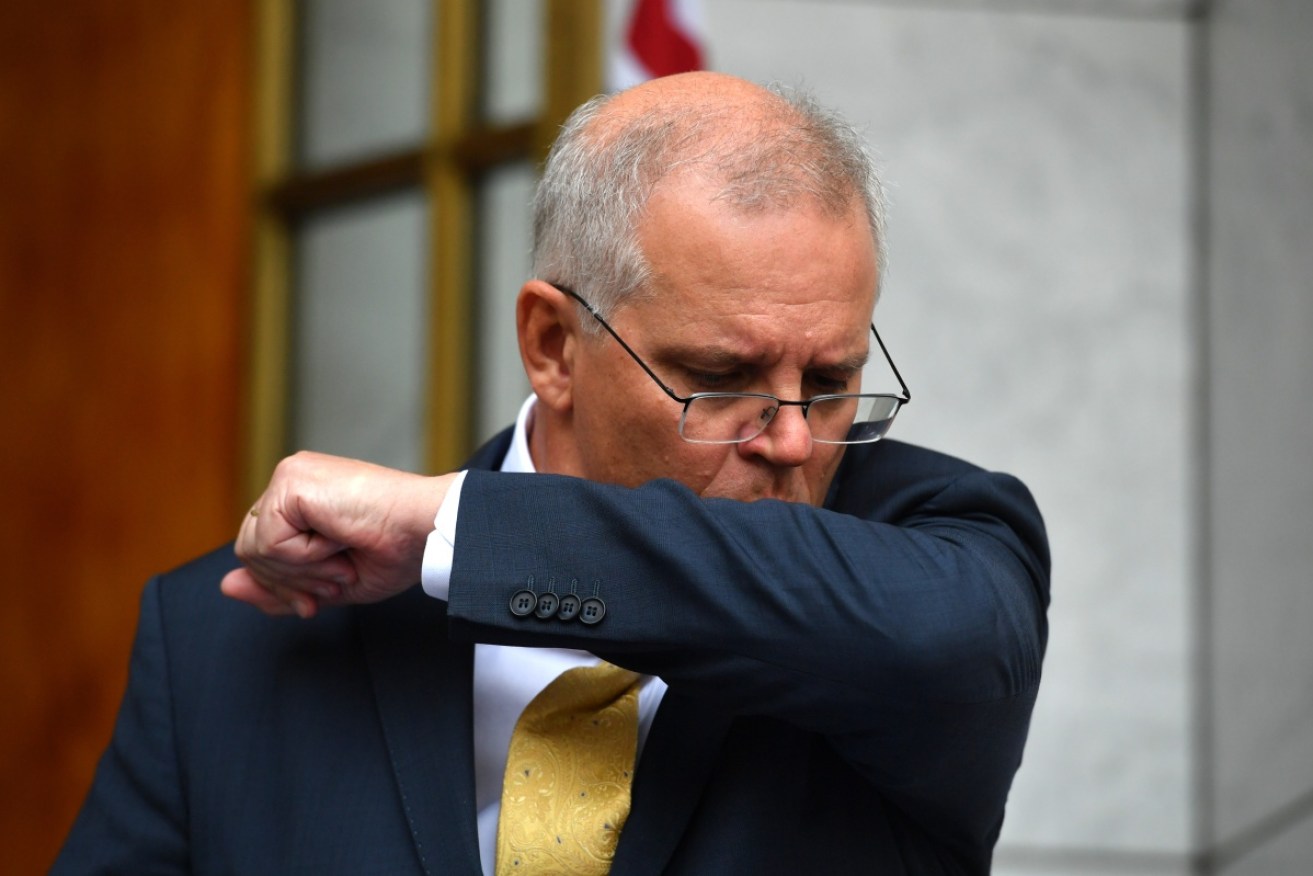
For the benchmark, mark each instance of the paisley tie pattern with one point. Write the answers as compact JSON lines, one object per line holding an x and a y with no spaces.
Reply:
{"x":565,"y":795}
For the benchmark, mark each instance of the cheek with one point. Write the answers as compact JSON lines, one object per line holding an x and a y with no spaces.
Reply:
{"x":628,"y":432}
{"x":661,"y":453}
{"x":820,"y":470}
{"x":628,"y":438}
{"x":666,"y":455}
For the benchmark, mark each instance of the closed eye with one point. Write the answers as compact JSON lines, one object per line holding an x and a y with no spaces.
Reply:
{"x":828,"y":384}
{"x":715,"y":381}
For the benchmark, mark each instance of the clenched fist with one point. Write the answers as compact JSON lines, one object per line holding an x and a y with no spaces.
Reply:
{"x":332,"y":531}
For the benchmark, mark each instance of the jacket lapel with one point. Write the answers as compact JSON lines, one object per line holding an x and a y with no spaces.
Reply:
{"x":422,"y":684}
{"x":677,"y":760}
{"x":423,"y":688}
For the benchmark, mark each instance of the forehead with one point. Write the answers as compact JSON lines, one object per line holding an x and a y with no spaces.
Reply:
{"x":720,"y":270}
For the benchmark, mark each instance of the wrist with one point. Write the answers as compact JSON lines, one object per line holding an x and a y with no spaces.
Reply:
{"x":418,"y":504}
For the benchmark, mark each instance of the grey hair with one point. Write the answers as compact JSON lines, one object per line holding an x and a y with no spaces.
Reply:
{"x":594,"y":187}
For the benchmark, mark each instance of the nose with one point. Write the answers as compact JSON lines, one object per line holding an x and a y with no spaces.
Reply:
{"x":786,"y":441}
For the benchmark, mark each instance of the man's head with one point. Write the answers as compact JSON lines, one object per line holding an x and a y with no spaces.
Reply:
{"x":764,"y":148}
{"x":733,"y":237}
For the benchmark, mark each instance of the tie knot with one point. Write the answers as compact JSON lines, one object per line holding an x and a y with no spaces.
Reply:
{"x":601,"y":694}
{"x":590,"y":686}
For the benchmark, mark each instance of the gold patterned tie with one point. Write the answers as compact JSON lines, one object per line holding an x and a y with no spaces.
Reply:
{"x":565,"y":795}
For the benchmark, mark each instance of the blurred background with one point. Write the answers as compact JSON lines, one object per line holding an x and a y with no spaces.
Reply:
{"x":233,"y":228}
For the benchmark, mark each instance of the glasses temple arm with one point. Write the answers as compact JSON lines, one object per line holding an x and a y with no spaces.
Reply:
{"x":621,"y":341}
{"x":907,"y":393}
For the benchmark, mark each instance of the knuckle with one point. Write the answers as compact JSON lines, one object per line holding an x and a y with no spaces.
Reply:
{"x":289,"y":465}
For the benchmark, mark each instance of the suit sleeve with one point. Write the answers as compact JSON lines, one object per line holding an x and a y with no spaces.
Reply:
{"x":906,"y":624}
{"x":134,"y":817}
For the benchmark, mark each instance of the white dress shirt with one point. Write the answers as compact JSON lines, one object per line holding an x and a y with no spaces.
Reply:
{"x":506,"y":678}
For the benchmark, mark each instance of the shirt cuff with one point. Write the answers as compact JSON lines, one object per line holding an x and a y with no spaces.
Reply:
{"x":440,"y":549}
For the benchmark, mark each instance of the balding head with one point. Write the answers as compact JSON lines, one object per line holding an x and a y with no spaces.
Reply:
{"x":757,"y":148}
{"x":701,"y":89}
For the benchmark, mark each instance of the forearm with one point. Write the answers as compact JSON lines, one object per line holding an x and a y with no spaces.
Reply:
{"x":941,"y":608}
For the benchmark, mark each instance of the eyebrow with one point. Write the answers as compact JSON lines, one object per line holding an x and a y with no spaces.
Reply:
{"x":720,"y":357}
{"x":853,"y":363}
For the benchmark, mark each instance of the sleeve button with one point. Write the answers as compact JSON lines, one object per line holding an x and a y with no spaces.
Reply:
{"x":523,"y":602}
{"x":592,"y":610}
{"x":569,"y":608}
{"x":547,"y":603}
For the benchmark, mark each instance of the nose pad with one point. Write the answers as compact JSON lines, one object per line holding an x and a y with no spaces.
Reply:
{"x":787,"y":444}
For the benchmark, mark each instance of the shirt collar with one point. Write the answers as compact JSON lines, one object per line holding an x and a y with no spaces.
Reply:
{"x":518,"y":460}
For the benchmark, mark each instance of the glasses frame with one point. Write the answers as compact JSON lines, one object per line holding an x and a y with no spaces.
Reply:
{"x":805,"y":404}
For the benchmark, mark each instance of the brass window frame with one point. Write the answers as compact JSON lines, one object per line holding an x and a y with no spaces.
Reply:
{"x":446,"y":165}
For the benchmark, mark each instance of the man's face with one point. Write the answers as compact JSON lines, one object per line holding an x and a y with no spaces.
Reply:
{"x":776,"y":302}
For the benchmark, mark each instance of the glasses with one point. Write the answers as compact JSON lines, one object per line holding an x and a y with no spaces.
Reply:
{"x":735,"y":417}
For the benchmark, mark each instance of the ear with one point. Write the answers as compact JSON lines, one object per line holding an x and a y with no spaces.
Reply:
{"x":548,"y":329}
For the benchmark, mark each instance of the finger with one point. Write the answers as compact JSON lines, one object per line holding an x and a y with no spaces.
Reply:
{"x":326,"y":580}
{"x":244,"y":545}
{"x":272,"y":600}
{"x":272,"y":537}
{"x":303,"y":605}
{"x":280,"y":554}
{"x":303,"y":596}
{"x":239,"y":584}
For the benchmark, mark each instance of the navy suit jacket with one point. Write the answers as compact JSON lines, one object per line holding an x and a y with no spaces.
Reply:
{"x":849,"y":687}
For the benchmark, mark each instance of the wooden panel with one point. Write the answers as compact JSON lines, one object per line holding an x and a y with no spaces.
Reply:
{"x":124,"y":230}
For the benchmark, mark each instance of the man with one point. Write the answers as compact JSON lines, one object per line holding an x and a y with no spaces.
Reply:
{"x":840,"y":644}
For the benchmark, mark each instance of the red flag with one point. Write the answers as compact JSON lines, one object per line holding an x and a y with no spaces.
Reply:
{"x":658,"y":38}
{"x":658,"y":43}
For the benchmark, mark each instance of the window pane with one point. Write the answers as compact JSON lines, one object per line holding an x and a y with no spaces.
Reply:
{"x":361,"y":332}
{"x":513,"y":63}
{"x":364,"y":78}
{"x":506,"y":238}
{"x":512,"y":71}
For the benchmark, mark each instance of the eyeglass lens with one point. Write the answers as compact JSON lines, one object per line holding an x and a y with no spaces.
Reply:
{"x":730,"y":418}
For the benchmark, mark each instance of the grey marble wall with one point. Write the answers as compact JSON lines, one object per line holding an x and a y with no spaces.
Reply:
{"x":1038,"y":305}
{"x":1100,"y":282}
{"x":1258,"y":776}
